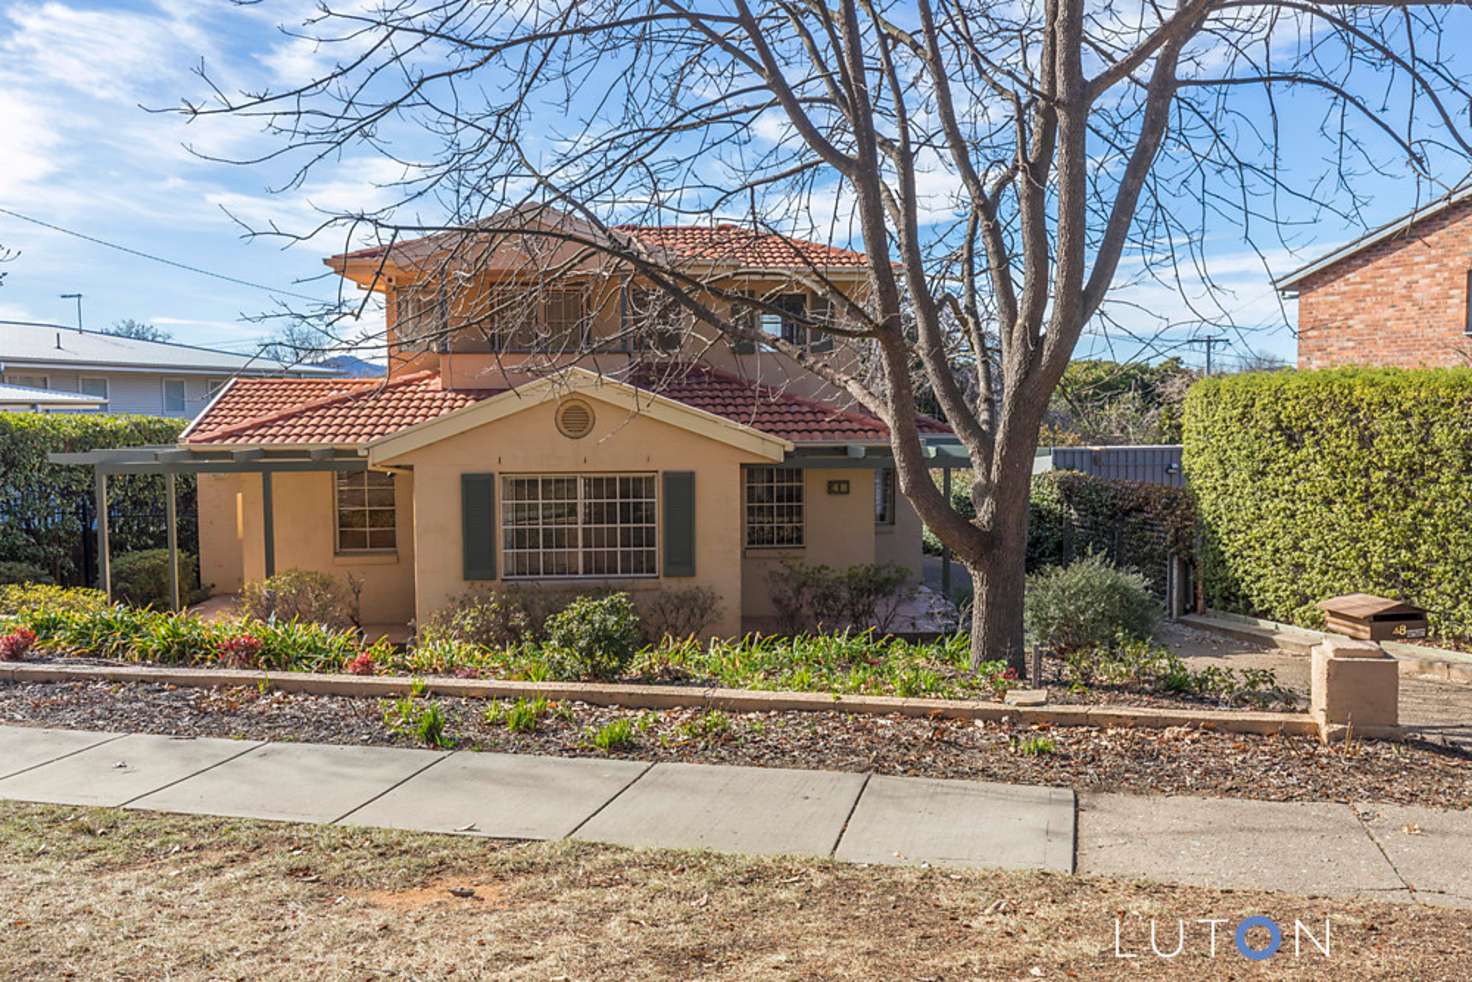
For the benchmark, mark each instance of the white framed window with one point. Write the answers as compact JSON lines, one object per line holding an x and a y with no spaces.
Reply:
{"x":29,"y":381}
{"x":213,"y":386}
{"x":92,"y":386}
{"x":366,"y":518}
{"x":884,"y":496}
{"x":774,"y":507}
{"x":560,"y":525}
{"x":175,"y":397}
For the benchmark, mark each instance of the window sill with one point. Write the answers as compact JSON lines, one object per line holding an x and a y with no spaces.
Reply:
{"x":774,"y":552}
{"x":884,"y":530}
{"x":388,"y":557}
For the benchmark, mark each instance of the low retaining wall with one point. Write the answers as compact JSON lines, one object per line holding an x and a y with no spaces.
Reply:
{"x":674,"y":696}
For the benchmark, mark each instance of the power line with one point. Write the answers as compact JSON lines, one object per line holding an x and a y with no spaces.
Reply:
{"x":1210,"y":343}
{"x":158,"y":259}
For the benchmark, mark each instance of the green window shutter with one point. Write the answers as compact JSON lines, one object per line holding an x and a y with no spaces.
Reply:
{"x":679,"y":523}
{"x":478,"y":517}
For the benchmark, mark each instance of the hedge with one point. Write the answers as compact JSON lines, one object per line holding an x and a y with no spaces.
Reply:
{"x":1315,"y":484}
{"x":45,"y":509}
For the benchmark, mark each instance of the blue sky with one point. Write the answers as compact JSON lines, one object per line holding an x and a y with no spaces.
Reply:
{"x":79,"y":152}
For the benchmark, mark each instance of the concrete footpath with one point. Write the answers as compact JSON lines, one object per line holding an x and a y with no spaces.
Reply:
{"x":1394,"y":853}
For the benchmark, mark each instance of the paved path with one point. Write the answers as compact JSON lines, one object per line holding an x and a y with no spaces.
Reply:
{"x":685,"y":806}
{"x":1323,"y":849}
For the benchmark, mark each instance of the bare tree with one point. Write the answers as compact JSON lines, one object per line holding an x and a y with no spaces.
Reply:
{"x":1002,"y":166}
{"x":138,"y":330}
{"x":6,"y":256}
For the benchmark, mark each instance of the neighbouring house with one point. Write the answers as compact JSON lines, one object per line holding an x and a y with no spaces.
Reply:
{"x":484,"y":458}
{"x":126,"y":375}
{"x":1399,"y":296}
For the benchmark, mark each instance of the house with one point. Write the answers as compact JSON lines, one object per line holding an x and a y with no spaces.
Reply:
{"x":488,"y":458}
{"x":1399,"y":296}
{"x":126,"y":375}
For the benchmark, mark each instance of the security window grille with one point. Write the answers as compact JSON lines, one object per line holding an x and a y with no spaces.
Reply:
{"x":421,"y":319}
{"x":365,"y":512}
{"x":545,"y":321}
{"x":884,"y":496}
{"x":774,"y":516}
{"x":601,"y":525}
{"x":652,"y":320}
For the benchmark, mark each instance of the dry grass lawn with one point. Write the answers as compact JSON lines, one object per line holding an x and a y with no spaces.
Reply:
{"x":91,"y":893}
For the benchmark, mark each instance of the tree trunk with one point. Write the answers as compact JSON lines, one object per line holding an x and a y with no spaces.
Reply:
{"x":998,"y":580}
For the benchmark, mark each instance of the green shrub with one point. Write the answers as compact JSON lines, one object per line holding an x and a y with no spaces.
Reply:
{"x":142,"y":578}
{"x":47,"y":598}
{"x":47,"y":506}
{"x":1315,"y":484}
{"x":492,"y":618}
{"x":299,"y":594}
{"x":12,"y":572}
{"x":1087,"y":603}
{"x":593,"y":637}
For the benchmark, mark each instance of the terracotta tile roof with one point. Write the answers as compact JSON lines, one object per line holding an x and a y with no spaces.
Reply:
{"x":732,"y":244}
{"x":352,"y":412}
{"x":743,"y":246}
{"x":339,"y":412}
{"x":766,"y":408}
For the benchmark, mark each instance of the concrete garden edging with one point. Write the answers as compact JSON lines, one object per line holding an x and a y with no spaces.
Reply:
{"x":674,"y":697}
{"x":1412,"y":659}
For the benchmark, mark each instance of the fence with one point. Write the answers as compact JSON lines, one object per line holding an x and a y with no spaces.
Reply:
{"x":1151,"y":464}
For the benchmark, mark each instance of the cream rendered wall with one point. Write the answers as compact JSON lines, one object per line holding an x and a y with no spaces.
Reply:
{"x":901,"y":542}
{"x":528,"y":442}
{"x":838,"y":531}
{"x":221,"y":543}
{"x":305,"y":527}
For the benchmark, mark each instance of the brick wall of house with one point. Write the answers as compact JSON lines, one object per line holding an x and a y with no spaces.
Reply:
{"x":1401,"y":302}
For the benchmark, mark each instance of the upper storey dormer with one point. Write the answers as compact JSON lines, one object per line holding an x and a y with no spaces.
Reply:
{"x":496,"y":300}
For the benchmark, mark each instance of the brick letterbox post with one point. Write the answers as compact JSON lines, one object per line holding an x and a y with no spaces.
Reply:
{"x":1355,"y":689}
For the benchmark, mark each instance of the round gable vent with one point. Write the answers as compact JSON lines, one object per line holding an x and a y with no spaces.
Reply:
{"x":575,"y":419}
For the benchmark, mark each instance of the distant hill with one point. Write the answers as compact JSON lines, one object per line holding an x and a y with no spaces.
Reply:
{"x":352,"y":366}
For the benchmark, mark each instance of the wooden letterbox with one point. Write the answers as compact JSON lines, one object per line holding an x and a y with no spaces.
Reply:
{"x":1371,"y":618}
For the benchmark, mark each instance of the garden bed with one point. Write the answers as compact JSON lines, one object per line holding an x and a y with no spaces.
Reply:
{"x":1171,"y":761}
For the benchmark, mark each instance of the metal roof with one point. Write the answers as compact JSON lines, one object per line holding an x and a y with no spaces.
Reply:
{"x":11,"y":395}
{"x":1289,"y":283}
{"x":55,"y":346}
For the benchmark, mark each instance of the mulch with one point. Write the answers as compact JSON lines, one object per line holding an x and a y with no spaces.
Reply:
{"x":1140,"y":761}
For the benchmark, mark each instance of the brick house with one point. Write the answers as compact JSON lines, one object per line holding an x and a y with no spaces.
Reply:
{"x":1400,"y":296}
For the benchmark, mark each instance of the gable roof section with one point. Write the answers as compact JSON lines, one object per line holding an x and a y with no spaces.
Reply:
{"x":1290,"y":283}
{"x":725,"y":245}
{"x":583,"y":382}
{"x":329,"y":412}
{"x":769,"y":409}
{"x":53,"y":345}
{"x":357,"y":412}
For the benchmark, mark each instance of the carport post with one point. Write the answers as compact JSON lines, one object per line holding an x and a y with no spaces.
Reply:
{"x":268,"y":525}
{"x":104,"y":565}
{"x":170,"y":520}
